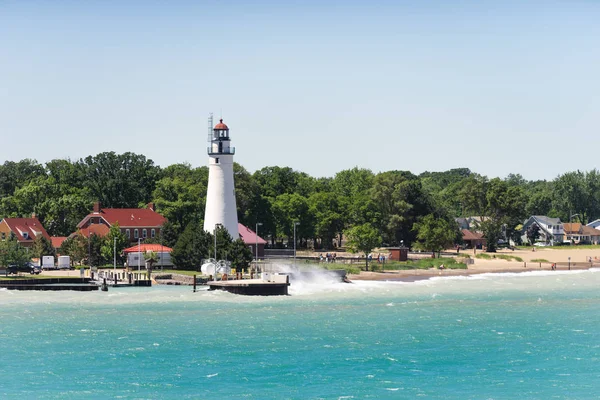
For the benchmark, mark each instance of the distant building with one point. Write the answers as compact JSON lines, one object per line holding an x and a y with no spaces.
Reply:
{"x":24,"y":229}
{"x":252,"y":240}
{"x":473,"y":240}
{"x":594,"y":224}
{"x":551,"y":230}
{"x":135,"y":255}
{"x":135,"y":223}
{"x":577,"y":233}
{"x":57,"y":242}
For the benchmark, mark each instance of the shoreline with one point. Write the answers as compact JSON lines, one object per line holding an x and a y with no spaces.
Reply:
{"x":413,"y":275}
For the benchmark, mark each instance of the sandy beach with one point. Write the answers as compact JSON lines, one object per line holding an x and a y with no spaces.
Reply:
{"x":576,"y":258}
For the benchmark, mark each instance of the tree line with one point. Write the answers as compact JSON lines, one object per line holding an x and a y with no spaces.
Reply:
{"x":387,"y":208}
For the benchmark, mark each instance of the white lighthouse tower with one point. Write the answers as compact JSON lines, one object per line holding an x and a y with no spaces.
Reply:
{"x":220,"y":194}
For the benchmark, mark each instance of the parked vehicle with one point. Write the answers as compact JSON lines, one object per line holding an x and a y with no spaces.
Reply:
{"x":64,"y":262}
{"x":48,"y":262}
{"x":28,"y":267}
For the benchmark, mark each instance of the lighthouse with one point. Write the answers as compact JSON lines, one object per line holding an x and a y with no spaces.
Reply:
{"x":220,"y":195}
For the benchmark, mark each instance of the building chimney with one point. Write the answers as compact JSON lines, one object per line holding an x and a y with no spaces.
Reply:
{"x":150,"y":206}
{"x":97,"y":207}
{"x":33,"y":215}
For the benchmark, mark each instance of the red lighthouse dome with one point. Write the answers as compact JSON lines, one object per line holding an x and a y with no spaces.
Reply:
{"x":221,"y":125}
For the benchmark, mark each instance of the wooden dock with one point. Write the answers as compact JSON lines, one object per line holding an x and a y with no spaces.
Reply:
{"x":269,"y":285}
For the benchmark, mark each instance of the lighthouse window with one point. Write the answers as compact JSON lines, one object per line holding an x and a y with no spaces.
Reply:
{"x":216,"y":160}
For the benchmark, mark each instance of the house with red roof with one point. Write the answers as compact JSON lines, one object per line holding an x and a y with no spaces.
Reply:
{"x":473,"y":239}
{"x":135,"y":223}
{"x":24,"y":229}
{"x":135,"y":253}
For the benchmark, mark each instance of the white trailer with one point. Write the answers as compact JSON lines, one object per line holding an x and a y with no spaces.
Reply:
{"x":48,"y":262}
{"x":64,"y":262}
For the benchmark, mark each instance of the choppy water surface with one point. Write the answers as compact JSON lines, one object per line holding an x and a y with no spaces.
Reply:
{"x":534,"y":336}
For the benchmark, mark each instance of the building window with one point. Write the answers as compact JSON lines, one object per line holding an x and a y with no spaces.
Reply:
{"x":153,"y":233}
{"x":136,"y":234}
{"x":144,"y":233}
{"x":3,"y":235}
{"x":128,"y":233}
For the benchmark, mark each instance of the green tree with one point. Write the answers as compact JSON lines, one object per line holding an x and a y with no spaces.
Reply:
{"x":288,"y":209}
{"x":400,"y":201}
{"x":180,"y":195}
{"x":240,"y":255}
{"x":42,"y":246}
{"x":151,"y":258}
{"x":15,"y":174}
{"x":94,"y":256}
{"x":435,"y":234}
{"x":363,"y":238}
{"x":75,"y":246}
{"x":12,"y":253}
{"x":533,"y":233}
{"x":115,"y":239}
{"x":120,"y":180}
{"x":192,"y":247}
{"x":327,"y":214}
{"x":500,"y":206}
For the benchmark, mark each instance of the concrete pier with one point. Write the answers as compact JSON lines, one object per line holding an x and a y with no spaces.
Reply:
{"x":268,"y":285}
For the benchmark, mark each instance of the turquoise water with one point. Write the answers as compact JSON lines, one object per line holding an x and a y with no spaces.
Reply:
{"x":533,"y":336}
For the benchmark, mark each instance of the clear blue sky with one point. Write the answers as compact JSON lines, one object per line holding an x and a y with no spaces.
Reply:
{"x":498,"y":87}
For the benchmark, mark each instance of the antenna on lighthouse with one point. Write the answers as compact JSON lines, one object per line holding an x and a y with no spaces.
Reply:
{"x":210,"y":126}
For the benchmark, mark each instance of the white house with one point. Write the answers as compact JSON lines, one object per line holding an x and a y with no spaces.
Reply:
{"x":594,"y":224}
{"x":551,"y":229}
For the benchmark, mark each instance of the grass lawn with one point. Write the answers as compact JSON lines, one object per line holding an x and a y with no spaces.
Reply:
{"x":424,"y":263}
{"x":492,"y":256}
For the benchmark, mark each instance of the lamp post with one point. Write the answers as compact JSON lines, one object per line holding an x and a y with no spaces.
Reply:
{"x":162,"y":250}
{"x":571,"y":227}
{"x":139,"y":253}
{"x":115,"y":255}
{"x":256,"y":246}
{"x":215,"y":235}
{"x":90,"y":249}
{"x":295,"y":225}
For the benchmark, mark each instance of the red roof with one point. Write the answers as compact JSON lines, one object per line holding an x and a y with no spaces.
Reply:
{"x":57,"y":241}
{"x":249,"y":236}
{"x":95,"y":229}
{"x":468,"y":235}
{"x":26,"y":227}
{"x":144,"y":248}
{"x":221,"y":125}
{"x":128,"y":217}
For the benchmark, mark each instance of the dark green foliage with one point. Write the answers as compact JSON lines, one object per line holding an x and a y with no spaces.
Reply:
{"x":12,"y":253}
{"x":109,"y":245}
{"x":240,"y":255}
{"x":435,"y":234}
{"x":62,"y":192}
{"x":95,"y":258}
{"x":400,"y":201}
{"x":363,"y":238}
{"x":120,"y":180}
{"x":192,"y":247}
{"x":75,"y":246}
{"x":533,"y":233}
{"x":42,"y":247}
